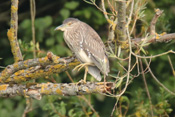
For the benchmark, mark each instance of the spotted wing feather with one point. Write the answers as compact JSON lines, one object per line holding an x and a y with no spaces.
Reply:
{"x":95,"y":49}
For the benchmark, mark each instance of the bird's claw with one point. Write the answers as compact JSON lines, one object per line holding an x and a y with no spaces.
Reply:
{"x":79,"y":67}
{"x":81,"y":82}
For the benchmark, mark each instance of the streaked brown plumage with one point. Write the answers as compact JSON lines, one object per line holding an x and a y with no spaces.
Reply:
{"x":87,"y":46}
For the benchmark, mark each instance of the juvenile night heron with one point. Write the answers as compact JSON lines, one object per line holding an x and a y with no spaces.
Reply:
{"x":87,"y":46}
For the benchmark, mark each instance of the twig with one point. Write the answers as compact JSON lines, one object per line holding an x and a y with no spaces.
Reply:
{"x":114,"y":108}
{"x":89,"y":104}
{"x":69,"y":76}
{"x":92,"y":2}
{"x":56,"y":110}
{"x":114,"y":12}
{"x":12,"y":32}
{"x":172,"y":68}
{"x":154,"y":20}
{"x":154,"y":56}
{"x":28,"y":107}
{"x":154,"y":77}
{"x":104,"y":10}
{"x":112,"y":22}
{"x":146,"y":87}
{"x":33,"y":13}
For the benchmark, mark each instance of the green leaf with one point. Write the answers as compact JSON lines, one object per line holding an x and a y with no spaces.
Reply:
{"x":119,"y":83}
{"x":124,"y":99}
{"x":143,"y":50}
{"x":71,"y":5}
{"x":60,"y":50}
{"x":71,"y":113}
{"x":50,"y":41}
{"x":169,"y":110}
{"x":42,"y":23}
{"x":87,"y":14}
{"x":65,"y":13}
{"x":59,"y":37}
{"x":88,"y":2}
{"x":63,"y":108}
{"x":26,"y":24}
{"x":48,"y":20}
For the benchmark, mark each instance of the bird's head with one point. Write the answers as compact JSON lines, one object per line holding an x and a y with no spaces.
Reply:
{"x":67,"y":23}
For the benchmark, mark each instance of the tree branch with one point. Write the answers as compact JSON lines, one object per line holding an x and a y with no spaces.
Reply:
{"x":157,"y":38}
{"x":154,"y":20}
{"x":72,"y":89}
{"x":12,"y":32}
{"x":35,"y":68}
{"x":121,"y":27}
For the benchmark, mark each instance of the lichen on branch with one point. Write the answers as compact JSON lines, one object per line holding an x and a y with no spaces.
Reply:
{"x":36,"y":68}
{"x":12,"y":32}
{"x":71,"y":89}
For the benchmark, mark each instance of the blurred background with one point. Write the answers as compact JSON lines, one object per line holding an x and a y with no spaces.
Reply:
{"x":50,"y":14}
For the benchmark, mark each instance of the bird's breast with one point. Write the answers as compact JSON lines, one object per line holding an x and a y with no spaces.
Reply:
{"x":83,"y":57}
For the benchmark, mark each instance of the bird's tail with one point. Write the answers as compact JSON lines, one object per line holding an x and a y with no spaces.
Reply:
{"x":95,"y":72}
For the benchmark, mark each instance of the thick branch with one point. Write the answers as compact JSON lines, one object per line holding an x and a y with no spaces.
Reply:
{"x":12,"y":32}
{"x":121,"y":27}
{"x":36,"y":91}
{"x":35,"y":68}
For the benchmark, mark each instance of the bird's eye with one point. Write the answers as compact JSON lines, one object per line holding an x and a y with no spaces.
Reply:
{"x":69,"y":23}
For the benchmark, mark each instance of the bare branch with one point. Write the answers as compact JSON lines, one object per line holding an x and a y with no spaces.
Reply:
{"x":171,"y":65}
{"x":154,"y":77}
{"x":146,"y":87}
{"x":154,"y":20}
{"x":157,"y":38}
{"x":12,"y":32}
{"x":33,"y":13}
{"x":37,"y":90}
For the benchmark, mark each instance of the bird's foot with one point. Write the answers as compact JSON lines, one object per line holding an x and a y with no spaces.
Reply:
{"x":81,"y":82}
{"x":79,"y":67}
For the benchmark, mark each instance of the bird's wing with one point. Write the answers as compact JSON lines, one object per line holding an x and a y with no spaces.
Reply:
{"x":95,"y":49}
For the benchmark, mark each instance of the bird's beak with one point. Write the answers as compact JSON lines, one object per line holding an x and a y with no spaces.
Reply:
{"x":61,"y":27}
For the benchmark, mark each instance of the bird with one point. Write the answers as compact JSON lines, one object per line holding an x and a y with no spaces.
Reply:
{"x":87,"y":46}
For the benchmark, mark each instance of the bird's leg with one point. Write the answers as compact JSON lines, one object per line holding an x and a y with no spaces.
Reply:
{"x":86,"y":70}
{"x":85,"y":74}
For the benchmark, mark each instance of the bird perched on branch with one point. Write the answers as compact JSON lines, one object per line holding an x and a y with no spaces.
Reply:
{"x":87,"y":46}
